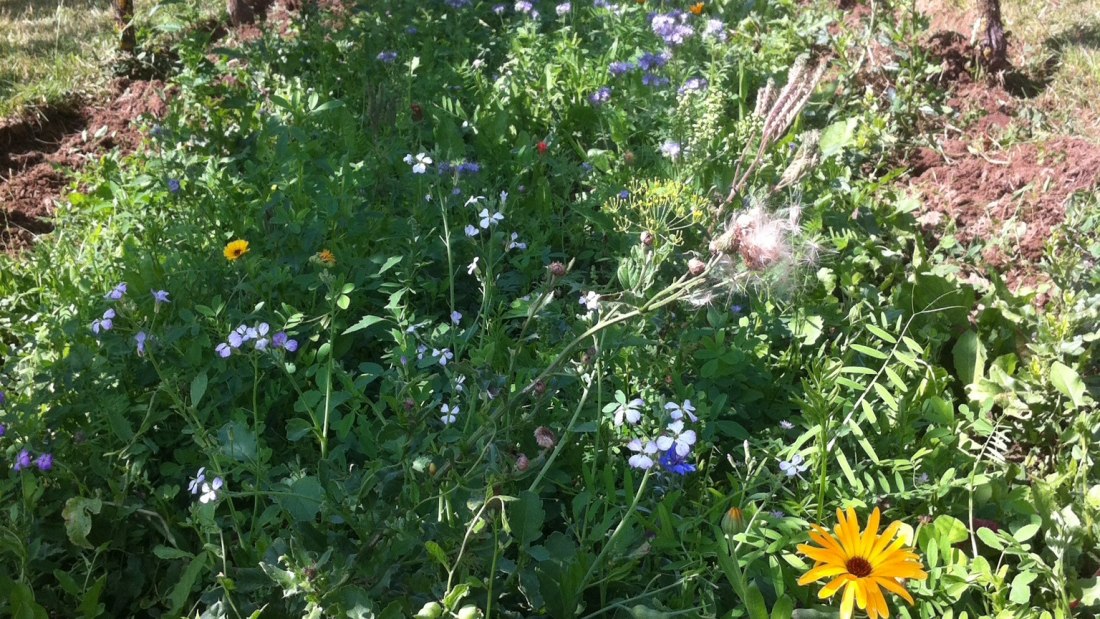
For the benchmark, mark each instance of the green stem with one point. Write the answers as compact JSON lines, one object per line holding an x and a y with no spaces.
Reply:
{"x":615,"y":534}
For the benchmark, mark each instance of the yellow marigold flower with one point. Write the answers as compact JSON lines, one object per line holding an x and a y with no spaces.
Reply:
{"x":327,"y":257}
{"x":863,"y":564}
{"x":697,"y":8}
{"x":235,"y":249}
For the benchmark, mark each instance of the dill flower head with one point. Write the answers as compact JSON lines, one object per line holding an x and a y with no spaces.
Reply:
{"x":235,"y":249}
{"x":861,"y":563}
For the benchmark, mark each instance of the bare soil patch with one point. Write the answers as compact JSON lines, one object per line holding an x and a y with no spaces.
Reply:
{"x":1006,"y":200}
{"x":36,"y":152}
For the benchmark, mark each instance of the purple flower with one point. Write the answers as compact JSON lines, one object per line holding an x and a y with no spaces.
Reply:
{"x":458,"y":4}
{"x":778,"y":514}
{"x":716,"y":30}
{"x":23,"y":460}
{"x":499,"y":9}
{"x":173,"y":185}
{"x":671,"y":150}
{"x":280,"y":340}
{"x":673,"y":462}
{"x":117,"y":293}
{"x":601,"y":96}
{"x":3,"y":429}
{"x":786,"y":425}
{"x":650,"y":61}
{"x":695,"y":84}
{"x":104,"y":324}
{"x":3,"y":398}
{"x":654,"y":81}
{"x":563,"y":9}
{"x":387,"y":57}
{"x":468,"y":167}
{"x":140,"y":340}
{"x":523,"y":6}
{"x":618,"y":69}
{"x":624,"y":194}
{"x":223,"y":350}
{"x":411,"y":30}
{"x":160,"y":296}
{"x":44,"y":462}
{"x":456,"y":317}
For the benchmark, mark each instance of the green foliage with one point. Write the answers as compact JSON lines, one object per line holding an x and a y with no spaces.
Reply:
{"x":451,"y":434}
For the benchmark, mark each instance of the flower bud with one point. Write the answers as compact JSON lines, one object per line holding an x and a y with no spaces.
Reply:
{"x":470,"y":612}
{"x":417,"y":112}
{"x":733,"y":522}
{"x":431,"y":610}
{"x":648,"y":238}
{"x":409,"y":405}
{"x":540,"y":387}
{"x":628,"y":157}
{"x":545,"y":437}
{"x":522,"y":463}
{"x":556,"y":269}
{"x":696,"y":267}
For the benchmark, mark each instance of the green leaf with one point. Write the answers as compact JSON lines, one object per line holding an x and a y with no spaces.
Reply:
{"x":436,"y":552}
{"x":198,"y":388}
{"x":970,"y":357}
{"x":237,"y":441}
{"x":363,"y":323}
{"x":78,"y":519}
{"x":304,"y":501}
{"x":837,"y":136}
{"x":166,"y":553}
{"x":1068,"y":383}
{"x":182,"y":591}
{"x":870,"y":352}
{"x":882,"y":334}
{"x":455,"y":595}
{"x":754,"y":603}
{"x":783,"y":609}
{"x":989,"y":538}
{"x":525,"y":518}
{"x":1025,"y":532}
{"x":1020,"y":591}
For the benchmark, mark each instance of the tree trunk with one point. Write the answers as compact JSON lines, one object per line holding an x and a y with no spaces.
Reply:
{"x":240,"y":12}
{"x":994,"y":46}
{"x":124,"y":13}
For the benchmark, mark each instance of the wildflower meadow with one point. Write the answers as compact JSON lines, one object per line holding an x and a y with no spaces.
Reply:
{"x":542,"y":309}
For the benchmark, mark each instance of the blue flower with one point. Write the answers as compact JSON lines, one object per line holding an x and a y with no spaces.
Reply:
{"x":197,"y":482}
{"x":563,"y":9}
{"x":44,"y":462}
{"x":458,"y":4}
{"x":499,"y":9}
{"x":468,"y":167}
{"x":173,"y":185}
{"x":650,"y":61}
{"x":601,"y":96}
{"x":117,"y":293}
{"x":673,"y":462}
{"x":695,"y":84}
{"x":654,"y":81}
{"x":3,"y":429}
{"x":387,"y":57}
{"x":139,"y":339}
{"x":223,"y":350}
{"x":671,"y":150}
{"x":280,"y":340}
{"x":624,"y":194}
{"x":523,"y":6}
{"x":160,"y":296}
{"x":104,"y":324}
{"x":620,"y":68}
{"x":23,"y":460}
{"x":671,"y":28}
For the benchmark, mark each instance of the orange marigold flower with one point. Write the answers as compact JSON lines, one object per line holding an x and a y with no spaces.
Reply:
{"x":235,"y":249}
{"x":861,"y":563}
{"x":326,"y":257}
{"x":697,"y":8}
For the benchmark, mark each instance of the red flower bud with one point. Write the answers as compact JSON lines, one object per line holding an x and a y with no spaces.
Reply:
{"x":542,"y":147}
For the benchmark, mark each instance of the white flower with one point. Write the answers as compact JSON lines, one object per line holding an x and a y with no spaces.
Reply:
{"x":794,"y":467}
{"x":677,"y":411}
{"x":210,"y":491}
{"x":460,"y":384}
{"x":470,"y":268}
{"x":487,"y":219}
{"x":473,"y":200}
{"x":516,"y":243}
{"x":449,"y":414}
{"x":641,"y":459}
{"x":444,"y":355}
{"x":591,"y":301}
{"x":471,"y":231}
{"x":503,"y":197}
{"x":682,"y":440}
{"x":631,"y":412}
{"x":420,"y":351}
{"x":456,"y":316}
{"x":419,"y":163}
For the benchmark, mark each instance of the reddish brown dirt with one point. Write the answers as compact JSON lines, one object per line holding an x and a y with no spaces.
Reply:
{"x":1006,"y":200}
{"x":35,"y":152}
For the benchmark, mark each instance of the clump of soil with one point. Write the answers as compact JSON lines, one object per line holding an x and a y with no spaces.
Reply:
{"x":35,"y":151}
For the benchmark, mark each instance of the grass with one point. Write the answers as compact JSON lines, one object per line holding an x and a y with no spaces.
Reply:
{"x":1059,"y":44}
{"x":51,"y":51}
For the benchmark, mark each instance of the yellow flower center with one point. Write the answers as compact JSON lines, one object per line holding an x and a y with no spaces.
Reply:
{"x":858,"y":567}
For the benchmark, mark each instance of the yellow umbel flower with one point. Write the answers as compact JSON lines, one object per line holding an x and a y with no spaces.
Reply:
{"x":863,"y":564}
{"x":235,"y":249}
